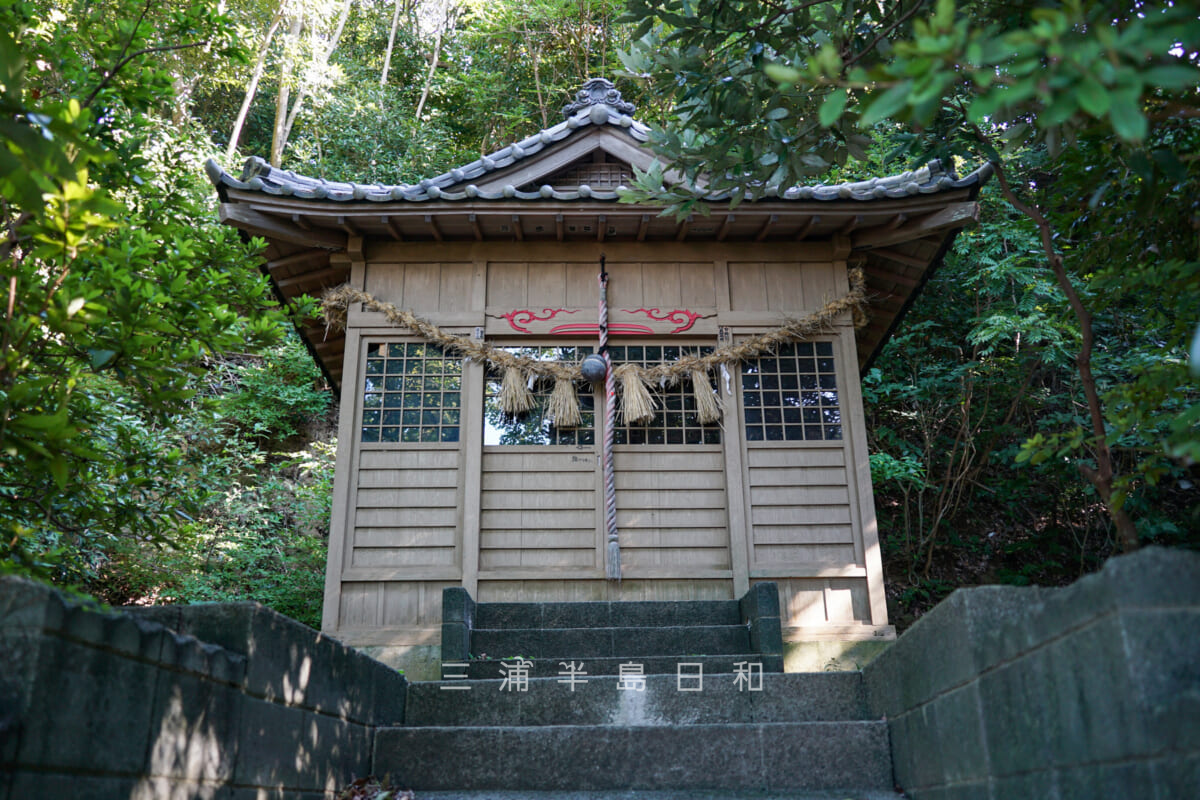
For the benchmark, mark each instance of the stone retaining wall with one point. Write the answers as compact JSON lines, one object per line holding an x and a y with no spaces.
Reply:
{"x":1089,"y":691}
{"x":229,"y":701}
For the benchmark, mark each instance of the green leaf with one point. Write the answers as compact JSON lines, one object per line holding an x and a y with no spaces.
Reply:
{"x":1093,"y":98}
{"x":781,"y":73}
{"x":776,"y":113}
{"x":832,"y":107}
{"x":883,"y":106}
{"x":1173,"y":76}
{"x":59,"y":471}
{"x":100,"y":357}
{"x":1127,"y":118}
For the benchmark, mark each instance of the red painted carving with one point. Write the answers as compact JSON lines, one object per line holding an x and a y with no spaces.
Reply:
{"x":525,"y":316}
{"x":682,"y":317}
{"x":614,"y":329}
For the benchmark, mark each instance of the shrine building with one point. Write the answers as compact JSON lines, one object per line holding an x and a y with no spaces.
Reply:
{"x":772,"y":308}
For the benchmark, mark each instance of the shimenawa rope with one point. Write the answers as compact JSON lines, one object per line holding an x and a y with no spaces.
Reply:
{"x":635,"y":379}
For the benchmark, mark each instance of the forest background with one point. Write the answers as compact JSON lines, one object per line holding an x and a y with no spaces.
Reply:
{"x":166,"y":437}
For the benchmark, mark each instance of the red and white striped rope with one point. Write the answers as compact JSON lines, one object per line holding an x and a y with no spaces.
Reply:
{"x":612,"y":550}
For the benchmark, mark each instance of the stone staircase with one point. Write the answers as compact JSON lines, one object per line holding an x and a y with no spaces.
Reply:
{"x":539,"y":700}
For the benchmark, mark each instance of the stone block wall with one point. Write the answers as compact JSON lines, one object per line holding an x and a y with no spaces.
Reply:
{"x":1089,"y":691}
{"x":227,"y":701}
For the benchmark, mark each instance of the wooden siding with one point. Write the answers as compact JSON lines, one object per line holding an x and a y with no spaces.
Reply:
{"x":799,"y":504}
{"x":540,"y":590}
{"x":427,"y":288}
{"x":632,"y":284}
{"x":537,"y":508}
{"x":406,"y":508}
{"x":409,"y":605}
{"x":525,"y":523}
{"x":781,"y":287}
{"x":671,"y":509}
{"x":812,"y":602}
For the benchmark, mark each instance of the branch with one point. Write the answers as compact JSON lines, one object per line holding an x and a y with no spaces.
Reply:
{"x":125,"y":61}
{"x":912,"y":12}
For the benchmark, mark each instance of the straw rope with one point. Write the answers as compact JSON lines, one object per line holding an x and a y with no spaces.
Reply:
{"x":519,"y":370}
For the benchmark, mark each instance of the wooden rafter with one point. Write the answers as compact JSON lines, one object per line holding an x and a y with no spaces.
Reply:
{"x":725,"y":226}
{"x":433,"y":227}
{"x":766,"y":227}
{"x":807,"y":227}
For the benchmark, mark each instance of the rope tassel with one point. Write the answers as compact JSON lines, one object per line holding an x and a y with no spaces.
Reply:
{"x":515,"y":397}
{"x":708,"y":404}
{"x":637,"y":404}
{"x":563,"y":406}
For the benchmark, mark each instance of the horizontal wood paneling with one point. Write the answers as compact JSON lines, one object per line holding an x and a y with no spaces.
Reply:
{"x":671,"y":508}
{"x":800,"y":510}
{"x":406,"y":509}
{"x":537,"y":509}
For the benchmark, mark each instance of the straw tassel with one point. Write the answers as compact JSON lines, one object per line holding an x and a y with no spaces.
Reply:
{"x":637,"y":404}
{"x":515,"y":397}
{"x":708,"y":404}
{"x":563,"y":406}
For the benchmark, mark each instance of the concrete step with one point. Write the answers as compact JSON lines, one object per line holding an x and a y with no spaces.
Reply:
{"x":597,"y":642}
{"x":793,"y":697}
{"x":642,"y":614}
{"x":828,"y":756}
{"x":487,"y":668}
{"x":692,"y":794}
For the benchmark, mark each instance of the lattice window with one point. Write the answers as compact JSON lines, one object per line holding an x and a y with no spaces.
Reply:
{"x":412,"y":393}
{"x":792,"y":396}
{"x":534,"y":426}
{"x":597,"y":176}
{"x":675,"y":420}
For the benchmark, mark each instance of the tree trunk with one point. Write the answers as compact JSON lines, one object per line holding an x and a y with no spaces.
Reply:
{"x":437,"y":54}
{"x":252,"y":86}
{"x":387,"y":55}
{"x":279,"y":137}
{"x":323,"y":59}
{"x":1101,"y":477}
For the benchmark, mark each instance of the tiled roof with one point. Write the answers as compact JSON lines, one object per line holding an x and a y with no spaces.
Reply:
{"x":599,"y":104}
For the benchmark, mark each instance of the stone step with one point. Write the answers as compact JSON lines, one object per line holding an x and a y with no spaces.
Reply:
{"x":793,"y":697}
{"x":487,"y":668}
{"x":841,"y":756}
{"x":691,"y":794}
{"x":596,"y":642}
{"x":625,"y":614}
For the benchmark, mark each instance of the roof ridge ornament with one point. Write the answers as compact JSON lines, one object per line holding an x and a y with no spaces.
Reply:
{"x":596,"y":92}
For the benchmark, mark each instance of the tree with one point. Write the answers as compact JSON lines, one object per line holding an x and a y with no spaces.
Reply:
{"x":773,"y":93}
{"x":117,"y":281}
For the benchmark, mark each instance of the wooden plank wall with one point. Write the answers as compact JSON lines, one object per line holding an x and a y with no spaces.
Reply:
{"x":671,"y":509}
{"x":632,"y":284}
{"x":537,"y":517}
{"x":799,"y":505}
{"x":406,"y":508}
{"x":537,"y":509}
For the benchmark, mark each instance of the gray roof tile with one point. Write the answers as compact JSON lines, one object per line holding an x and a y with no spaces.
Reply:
{"x":259,"y":176}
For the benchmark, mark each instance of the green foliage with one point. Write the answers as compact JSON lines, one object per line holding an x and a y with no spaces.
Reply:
{"x":261,"y":536}
{"x":1085,"y":108}
{"x":117,"y":280}
{"x":272,"y":398}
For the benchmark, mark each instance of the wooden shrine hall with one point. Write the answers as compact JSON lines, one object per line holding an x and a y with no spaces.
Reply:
{"x":439,"y":483}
